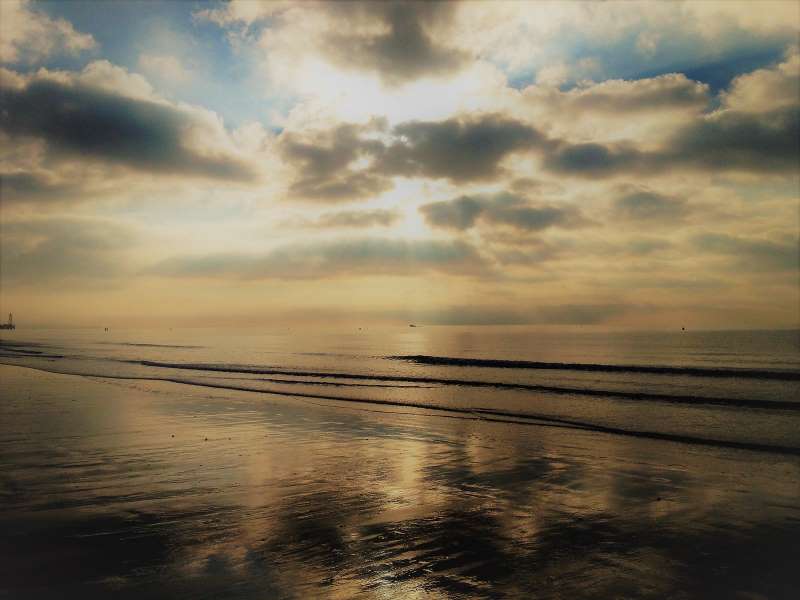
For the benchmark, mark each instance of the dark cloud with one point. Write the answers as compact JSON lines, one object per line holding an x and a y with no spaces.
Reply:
{"x":500,"y":209}
{"x":34,"y":187}
{"x":393,"y":39}
{"x":751,"y":254}
{"x":697,"y":284}
{"x":596,"y":160}
{"x":523,"y":251}
{"x":472,"y":148}
{"x":468,"y":150}
{"x":768,"y":141}
{"x":527,"y":185}
{"x":645,"y":207}
{"x":341,"y":187}
{"x":324,"y":163}
{"x":459,"y":214}
{"x":369,"y":256}
{"x":562,"y":314}
{"x":458,"y":149}
{"x":532,"y":251}
{"x":646,"y":246}
{"x":79,"y":251}
{"x":533,"y":218}
{"x":327,"y":153}
{"x":358,"y":218}
{"x":78,"y":121}
{"x":725,"y":140}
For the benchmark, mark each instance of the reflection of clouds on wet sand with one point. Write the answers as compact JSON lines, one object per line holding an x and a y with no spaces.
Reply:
{"x":273,"y":497}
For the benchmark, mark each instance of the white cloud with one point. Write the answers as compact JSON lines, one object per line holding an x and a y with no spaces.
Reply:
{"x":767,"y":89}
{"x":646,"y":110}
{"x":118,"y":80}
{"x":243,"y":12}
{"x":165,"y":68}
{"x":28,"y":35}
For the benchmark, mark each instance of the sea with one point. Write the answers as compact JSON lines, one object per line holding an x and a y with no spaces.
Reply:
{"x":736,"y":389}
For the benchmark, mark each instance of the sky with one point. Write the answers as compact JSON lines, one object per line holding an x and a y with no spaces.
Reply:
{"x":559,"y":164}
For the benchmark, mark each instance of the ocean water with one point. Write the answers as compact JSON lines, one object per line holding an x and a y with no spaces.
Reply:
{"x":734,"y":389}
{"x":399,"y":463}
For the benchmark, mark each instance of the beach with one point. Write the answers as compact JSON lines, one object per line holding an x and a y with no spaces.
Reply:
{"x":399,"y":300}
{"x":155,"y":489}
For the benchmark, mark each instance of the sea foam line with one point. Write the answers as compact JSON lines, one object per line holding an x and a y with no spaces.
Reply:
{"x":646,"y":396}
{"x":450,"y":361}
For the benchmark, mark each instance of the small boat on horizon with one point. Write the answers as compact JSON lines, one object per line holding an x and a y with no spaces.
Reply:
{"x":10,"y":324}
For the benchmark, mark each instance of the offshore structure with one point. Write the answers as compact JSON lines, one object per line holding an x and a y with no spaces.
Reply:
{"x":10,"y":324}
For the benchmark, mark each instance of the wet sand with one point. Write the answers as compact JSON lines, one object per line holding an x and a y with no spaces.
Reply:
{"x":158,"y":490}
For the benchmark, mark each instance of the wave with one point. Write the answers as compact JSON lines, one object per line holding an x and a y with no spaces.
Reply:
{"x":322,"y":383}
{"x":20,"y":354}
{"x":489,"y":414}
{"x":733,"y":372}
{"x":647,"y":396}
{"x":480,"y":413}
{"x":149,"y":345}
{"x":23,"y":351}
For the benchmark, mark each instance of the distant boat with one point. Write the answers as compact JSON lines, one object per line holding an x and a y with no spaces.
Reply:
{"x":10,"y":324}
{"x":411,"y":325}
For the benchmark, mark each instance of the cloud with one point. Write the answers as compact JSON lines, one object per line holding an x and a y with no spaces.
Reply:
{"x":357,"y":218}
{"x":359,"y":161}
{"x":751,"y":254}
{"x":562,"y":314}
{"x":623,"y":39}
{"x":396,"y":41}
{"x":756,"y":129}
{"x":460,"y":213}
{"x":73,"y":251}
{"x":500,"y":209}
{"x":165,"y":67}
{"x":725,"y":140}
{"x":28,"y":35}
{"x":324,"y":163}
{"x":20,"y":187}
{"x":767,"y":89}
{"x":615,"y":110}
{"x":353,"y":161}
{"x":78,"y":121}
{"x":596,"y":160}
{"x":242,"y":12}
{"x":673,"y":91}
{"x":354,"y":257}
{"x":646,"y":246}
{"x":464,"y":149}
{"x":646,"y":207}
{"x":392,"y":39}
{"x":342,"y":187}
{"x":728,"y":139}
